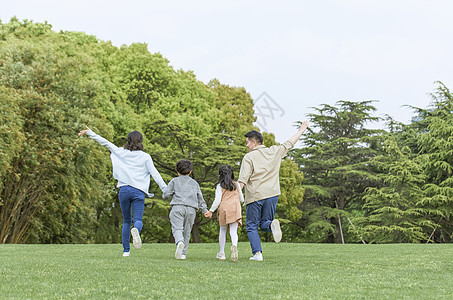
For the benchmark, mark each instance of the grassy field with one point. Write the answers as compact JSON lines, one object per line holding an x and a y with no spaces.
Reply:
{"x":290,"y":271}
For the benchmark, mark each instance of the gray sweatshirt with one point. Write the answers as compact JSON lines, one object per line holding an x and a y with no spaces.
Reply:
{"x":185,"y":191}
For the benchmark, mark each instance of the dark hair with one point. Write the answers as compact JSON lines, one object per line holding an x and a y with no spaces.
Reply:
{"x":226,"y":177}
{"x":184,"y":166}
{"x":254,"y":135}
{"x":134,"y":141}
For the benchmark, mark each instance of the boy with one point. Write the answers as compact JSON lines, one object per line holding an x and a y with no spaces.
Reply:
{"x":186,"y":201}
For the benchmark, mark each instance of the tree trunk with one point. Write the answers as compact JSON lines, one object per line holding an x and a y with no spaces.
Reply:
{"x":196,"y":233}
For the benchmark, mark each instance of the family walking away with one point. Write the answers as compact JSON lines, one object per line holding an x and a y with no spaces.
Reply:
{"x":259,"y":174}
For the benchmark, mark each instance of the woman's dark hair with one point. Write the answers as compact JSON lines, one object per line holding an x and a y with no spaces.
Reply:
{"x":226,"y":177}
{"x":184,"y":166}
{"x":255,"y":135}
{"x":134,"y":141}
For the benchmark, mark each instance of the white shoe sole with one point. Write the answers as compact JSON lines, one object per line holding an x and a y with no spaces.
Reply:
{"x":179,"y":249}
{"x":136,"y":240}
{"x":276,"y":231}
{"x":234,"y":253}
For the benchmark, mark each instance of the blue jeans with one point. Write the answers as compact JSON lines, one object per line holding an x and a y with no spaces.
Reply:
{"x":131,"y":197}
{"x":259,"y":214}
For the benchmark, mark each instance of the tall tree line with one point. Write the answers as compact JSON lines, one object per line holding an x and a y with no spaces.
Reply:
{"x":348,"y":183}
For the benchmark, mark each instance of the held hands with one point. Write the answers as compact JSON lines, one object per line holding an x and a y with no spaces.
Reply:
{"x":83,"y":132}
{"x":208,"y":214}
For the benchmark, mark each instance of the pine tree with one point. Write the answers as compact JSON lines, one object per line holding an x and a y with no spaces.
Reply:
{"x":334,"y":161}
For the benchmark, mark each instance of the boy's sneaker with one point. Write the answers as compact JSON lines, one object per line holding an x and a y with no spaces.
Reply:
{"x":234,"y":253}
{"x":276,"y":231}
{"x":183,"y":257}
{"x":126,"y":254}
{"x":179,"y":248}
{"x":257,"y":257}
{"x":136,"y":240}
{"x":221,"y":256}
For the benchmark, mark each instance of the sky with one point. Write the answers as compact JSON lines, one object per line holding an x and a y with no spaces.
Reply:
{"x":291,"y":56}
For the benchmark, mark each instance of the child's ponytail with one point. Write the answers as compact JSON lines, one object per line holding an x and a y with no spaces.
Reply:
{"x":226,"y":178}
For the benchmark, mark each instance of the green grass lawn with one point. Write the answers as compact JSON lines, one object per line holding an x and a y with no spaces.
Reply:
{"x":288,"y":271}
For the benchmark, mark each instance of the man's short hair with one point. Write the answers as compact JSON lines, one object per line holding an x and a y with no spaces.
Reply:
{"x":184,"y":166}
{"x":255,"y":135}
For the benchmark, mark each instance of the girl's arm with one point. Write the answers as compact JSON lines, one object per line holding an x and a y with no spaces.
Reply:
{"x":98,"y":139}
{"x":217,"y":199}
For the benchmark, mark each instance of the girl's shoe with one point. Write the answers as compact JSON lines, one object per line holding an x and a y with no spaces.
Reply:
{"x":221,"y":256}
{"x":234,"y":253}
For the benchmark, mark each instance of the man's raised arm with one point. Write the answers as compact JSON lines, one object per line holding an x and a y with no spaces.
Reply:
{"x":295,"y":138}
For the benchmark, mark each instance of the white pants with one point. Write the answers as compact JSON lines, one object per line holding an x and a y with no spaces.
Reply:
{"x":233,"y":234}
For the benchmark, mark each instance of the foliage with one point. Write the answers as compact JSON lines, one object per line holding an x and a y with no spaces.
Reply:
{"x":334,"y":161}
{"x":393,"y":211}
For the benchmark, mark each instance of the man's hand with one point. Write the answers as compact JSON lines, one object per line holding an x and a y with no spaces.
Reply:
{"x":303,"y":126}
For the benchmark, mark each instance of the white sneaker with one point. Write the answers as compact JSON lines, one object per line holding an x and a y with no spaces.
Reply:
{"x":179,"y":248}
{"x":276,"y":231}
{"x":136,"y":240}
{"x":183,"y":256}
{"x":257,"y":257}
{"x":126,"y":254}
{"x":221,"y":256}
{"x":234,"y":253}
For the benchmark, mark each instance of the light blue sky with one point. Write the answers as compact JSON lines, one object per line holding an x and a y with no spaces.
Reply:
{"x":301,"y":53}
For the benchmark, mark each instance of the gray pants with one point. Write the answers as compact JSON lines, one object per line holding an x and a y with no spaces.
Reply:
{"x":182,"y":218}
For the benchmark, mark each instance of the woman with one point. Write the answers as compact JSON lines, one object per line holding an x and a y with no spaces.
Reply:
{"x":132,"y":168}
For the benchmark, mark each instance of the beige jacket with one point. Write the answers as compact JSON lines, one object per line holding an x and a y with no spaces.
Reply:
{"x":260,"y":171}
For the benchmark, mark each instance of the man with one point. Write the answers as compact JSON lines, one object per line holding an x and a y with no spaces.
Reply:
{"x":260,"y":175}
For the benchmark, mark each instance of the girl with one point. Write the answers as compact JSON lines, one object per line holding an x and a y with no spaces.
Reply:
{"x":132,"y":168}
{"x":228,"y":196}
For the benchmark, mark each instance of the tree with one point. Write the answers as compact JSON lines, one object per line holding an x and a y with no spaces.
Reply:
{"x":435,"y":144}
{"x":392,"y":211}
{"x":337,"y":147}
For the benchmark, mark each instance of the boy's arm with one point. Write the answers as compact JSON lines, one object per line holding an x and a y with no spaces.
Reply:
{"x":169,"y":190}
{"x":201,"y":203}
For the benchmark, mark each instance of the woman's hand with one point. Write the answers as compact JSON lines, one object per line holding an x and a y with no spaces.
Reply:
{"x":83,"y":132}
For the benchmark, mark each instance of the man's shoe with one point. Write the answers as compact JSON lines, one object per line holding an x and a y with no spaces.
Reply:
{"x":136,"y":240}
{"x":126,"y":254}
{"x":179,"y":248}
{"x":221,"y":256}
{"x":234,"y":253}
{"x":276,"y":231}
{"x":257,"y":257}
